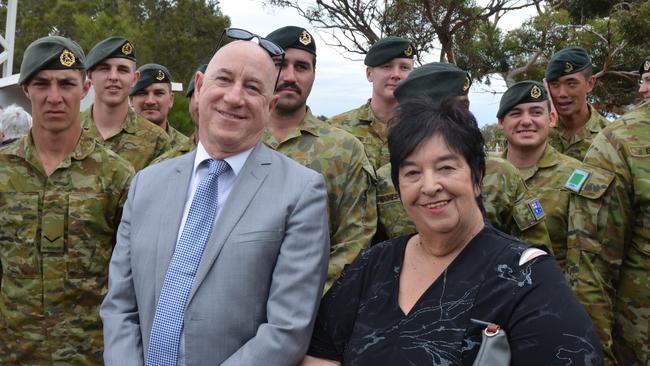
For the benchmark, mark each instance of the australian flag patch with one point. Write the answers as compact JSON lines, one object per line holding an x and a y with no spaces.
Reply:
{"x":536,"y":208}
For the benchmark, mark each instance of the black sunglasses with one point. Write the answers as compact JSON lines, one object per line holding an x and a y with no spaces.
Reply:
{"x":276,"y":52}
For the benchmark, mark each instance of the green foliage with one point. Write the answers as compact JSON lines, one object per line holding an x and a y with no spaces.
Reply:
{"x":179,"y":116}
{"x":179,"y":34}
{"x":492,"y":135}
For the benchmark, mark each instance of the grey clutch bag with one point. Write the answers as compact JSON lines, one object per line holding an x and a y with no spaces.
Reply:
{"x":495,"y":349}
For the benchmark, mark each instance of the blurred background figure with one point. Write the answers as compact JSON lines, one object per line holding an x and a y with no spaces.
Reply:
{"x":15,"y":122}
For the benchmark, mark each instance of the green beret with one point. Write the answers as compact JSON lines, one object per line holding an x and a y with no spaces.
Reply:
{"x":567,"y":61}
{"x":436,"y":80}
{"x":50,"y":53}
{"x":387,"y":49}
{"x":645,"y":66}
{"x":149,"y":74}
{"x":526,"y":91}
{"x":293,"y":37}
{"x":190,"y":86}
{"x":111,"y":47}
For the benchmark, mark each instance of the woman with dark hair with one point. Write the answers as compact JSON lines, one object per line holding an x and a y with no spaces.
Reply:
{"x":424,"y":299}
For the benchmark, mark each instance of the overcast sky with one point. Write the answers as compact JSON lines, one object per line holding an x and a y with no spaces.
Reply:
{"x":341,"y":83}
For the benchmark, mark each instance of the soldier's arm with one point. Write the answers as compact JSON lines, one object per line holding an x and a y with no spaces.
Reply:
{"x":163,"y":143}
{"x":596,"y":242}
{"x":356,"y":216}
{"x":393,"y":221}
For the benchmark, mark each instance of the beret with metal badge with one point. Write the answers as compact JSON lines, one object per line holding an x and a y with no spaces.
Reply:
{"x":387,"y":49}
{"x":150,"y":74}
{"x":111,"y":47}
{"x":527,"y":91}
{"x":293,"y":37}
{"x":567,"y":61}
{"x":50,"y":53}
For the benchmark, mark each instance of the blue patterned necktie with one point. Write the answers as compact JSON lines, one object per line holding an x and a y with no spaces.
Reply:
{"x":168,"y":321}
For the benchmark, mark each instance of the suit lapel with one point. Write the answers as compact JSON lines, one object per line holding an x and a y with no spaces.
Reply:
{"x":246,"y":185}
{"x":174,"y":204}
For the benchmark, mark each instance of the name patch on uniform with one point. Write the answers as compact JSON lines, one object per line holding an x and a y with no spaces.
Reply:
{"x":576,"y":180}
{"x":536,"y":208}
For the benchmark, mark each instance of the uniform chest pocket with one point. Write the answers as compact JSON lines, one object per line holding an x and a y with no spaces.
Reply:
{"x":91,"y":231}
{"x":18,"y":234}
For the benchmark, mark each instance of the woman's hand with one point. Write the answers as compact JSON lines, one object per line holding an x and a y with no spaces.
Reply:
{"x":313,"y":361}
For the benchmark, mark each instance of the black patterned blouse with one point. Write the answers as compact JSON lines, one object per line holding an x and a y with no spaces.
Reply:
{"x":361,"y":323}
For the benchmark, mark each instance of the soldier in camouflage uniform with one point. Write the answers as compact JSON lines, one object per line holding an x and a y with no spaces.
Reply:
{"x":110,"y":120}
{"x":193,"y":108}
{"x":562,"y":183}
{"x":334,"y":153}
{"x":506,"y":200}
{"x":617,"y":246}
{"x":569,"y":77}
{"x":388,"y":61}
{"x":525,"y":118}
{"x":61,"y":195}
{"x":152,"y":98}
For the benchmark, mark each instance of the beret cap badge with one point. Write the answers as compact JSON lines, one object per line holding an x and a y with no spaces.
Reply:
{"x":646,"y":65}
{"x":568,"y":67}
{"x":408,"y":52}
{"x":305,"y":38}
{"x":160,"y":75}
{"x":67,"y":58}
{"x":535,"y":92}
{"x":127,"y":49}
{"x":467,"y":84}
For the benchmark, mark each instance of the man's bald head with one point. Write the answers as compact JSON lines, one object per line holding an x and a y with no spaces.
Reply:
{"x":248,"y":50}
{"x":236,"y":98}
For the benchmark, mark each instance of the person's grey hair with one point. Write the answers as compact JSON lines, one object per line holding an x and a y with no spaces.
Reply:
{"x":15,"y":122}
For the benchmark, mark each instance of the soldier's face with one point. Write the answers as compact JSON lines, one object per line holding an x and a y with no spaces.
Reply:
{"x":384,"y":78}
{"x":55,"y":96}
{"x":154,"y":102}
{"x":113,"y":79}
{"x":235,"y":98}
{"x":569,"y":93}
{"x":644,"y":87}
{"x":296,"y":79}
{"x":527,"y":125}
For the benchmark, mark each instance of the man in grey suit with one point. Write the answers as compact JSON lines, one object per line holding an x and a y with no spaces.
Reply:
{"x":257,"y":284}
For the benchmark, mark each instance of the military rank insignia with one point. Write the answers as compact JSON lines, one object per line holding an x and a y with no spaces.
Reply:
{"x":576,"y":180}
{"x":67,"y":58}
{"x":536,"y":208}
{"x":305,"y":38}
{"x":568,"y":67}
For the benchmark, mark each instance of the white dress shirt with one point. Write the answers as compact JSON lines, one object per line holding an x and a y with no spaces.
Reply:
{"x":225,"y":183}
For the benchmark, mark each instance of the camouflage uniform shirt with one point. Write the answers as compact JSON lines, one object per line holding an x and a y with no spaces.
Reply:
{"x":349,"y":178}
{"x":56,"y":238}
{"x":179,"y":150}
{"x":176,"y":138}
{"x":371,"y":131}
{"x":505,"y":198}
{"x":577,"y":146}
{"x":548,"y":181}
{"x":621,"y":243}
{"x":138,"y":141}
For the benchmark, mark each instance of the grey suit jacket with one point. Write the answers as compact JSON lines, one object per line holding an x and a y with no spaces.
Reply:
{"x":259,"y":283}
